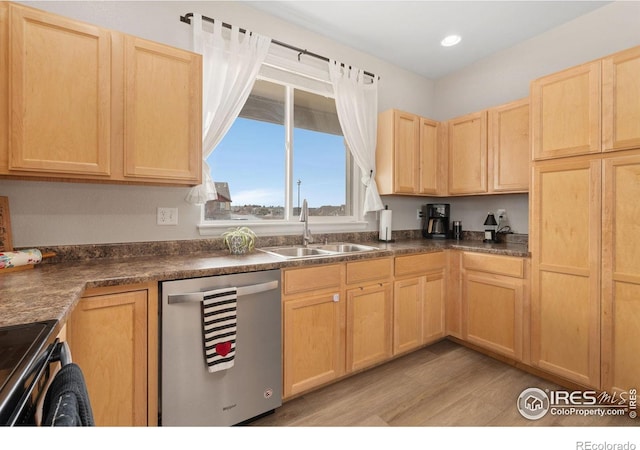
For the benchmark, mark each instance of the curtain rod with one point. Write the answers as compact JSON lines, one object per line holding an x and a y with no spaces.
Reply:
{"x":187,"y":19}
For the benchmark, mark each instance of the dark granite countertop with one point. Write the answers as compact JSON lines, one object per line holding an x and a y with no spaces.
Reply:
{"x":51,"y":291}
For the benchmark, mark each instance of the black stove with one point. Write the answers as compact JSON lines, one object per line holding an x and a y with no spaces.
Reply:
{"x":25,"y":351}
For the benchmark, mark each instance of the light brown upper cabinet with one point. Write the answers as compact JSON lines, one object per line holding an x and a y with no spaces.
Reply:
{"x":85,"y":103}
{"x":587,"y":109}
{"x":467,"y":139}
{"x":162,"y":126}
{"x":508,"y":167}
{"x":407,"y":160}
{"x":60,"y":94}
{"x":489,"y":150}
{"x":621,"y":100}
{"x":565,"y":109}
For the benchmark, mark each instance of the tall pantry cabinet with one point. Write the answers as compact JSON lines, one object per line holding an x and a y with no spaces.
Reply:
{"x":621,"y":273}
{"x":565,"y":249}
{"x":585,"y":223}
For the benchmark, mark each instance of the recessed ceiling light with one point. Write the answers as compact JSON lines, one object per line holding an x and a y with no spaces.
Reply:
{"x":450,"y":40}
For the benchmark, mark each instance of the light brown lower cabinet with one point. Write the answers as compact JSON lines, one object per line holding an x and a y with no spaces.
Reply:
{"x":313,"y":310}
{"x":313,"y":342}
{"x":369,"y":323}
{"x":419,"y":296}
{"x":336,"y":320}
{"x":112,"y":335}
{"x":493,"y":302}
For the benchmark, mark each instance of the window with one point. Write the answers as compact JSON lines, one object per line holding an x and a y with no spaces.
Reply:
{"x":260,"y":178}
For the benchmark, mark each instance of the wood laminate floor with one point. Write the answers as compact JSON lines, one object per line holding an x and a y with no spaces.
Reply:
{"x":442,"y":385}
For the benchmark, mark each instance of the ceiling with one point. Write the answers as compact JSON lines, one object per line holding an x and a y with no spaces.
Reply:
{"x":408,"y":33}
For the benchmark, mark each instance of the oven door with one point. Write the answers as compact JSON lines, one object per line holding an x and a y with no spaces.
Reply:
{"x":25,"y":352}
{"x":31,"y":391}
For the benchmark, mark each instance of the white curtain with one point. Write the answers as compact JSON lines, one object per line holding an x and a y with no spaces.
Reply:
{"x":229,"y":69}
{"x":357,"y":107}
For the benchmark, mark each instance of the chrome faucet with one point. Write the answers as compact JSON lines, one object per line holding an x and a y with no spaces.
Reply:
{"x":304,"y":217}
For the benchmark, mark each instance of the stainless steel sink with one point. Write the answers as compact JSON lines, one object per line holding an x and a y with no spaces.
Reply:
{"x":344,"y":248}
{"x":317,"y":250}
{"x":295,"y":252}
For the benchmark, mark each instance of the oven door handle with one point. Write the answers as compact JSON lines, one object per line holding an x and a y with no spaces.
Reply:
{"x":42,"y":366}
{"x":61,"y":353}
{"x":241,"y":291}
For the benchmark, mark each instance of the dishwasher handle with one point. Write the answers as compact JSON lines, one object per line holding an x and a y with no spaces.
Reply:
{"x":240,"y":291}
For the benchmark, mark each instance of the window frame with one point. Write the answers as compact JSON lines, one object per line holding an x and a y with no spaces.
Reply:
{"x":290,"y":224}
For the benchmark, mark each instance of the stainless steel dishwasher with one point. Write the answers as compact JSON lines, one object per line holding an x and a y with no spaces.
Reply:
{"x":190,"y":395}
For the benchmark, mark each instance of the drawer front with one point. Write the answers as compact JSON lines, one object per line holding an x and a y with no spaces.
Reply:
{"x":311,"y":279}
{"x":510,"y":266}
{"x":418,"y":264}
{"x":370,"y":270}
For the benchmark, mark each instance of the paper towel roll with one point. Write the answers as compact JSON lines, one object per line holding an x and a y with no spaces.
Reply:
{"x":20,"y":258}
{"x":385,"y":225}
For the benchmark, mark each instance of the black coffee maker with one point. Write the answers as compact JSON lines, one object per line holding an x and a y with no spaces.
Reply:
{"x":435,"y":220}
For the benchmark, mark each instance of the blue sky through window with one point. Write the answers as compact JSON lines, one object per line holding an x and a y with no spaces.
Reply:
{"x":251,"y":159}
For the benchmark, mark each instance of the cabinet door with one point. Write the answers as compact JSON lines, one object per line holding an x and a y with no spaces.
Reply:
{"x":565,"y":248}
{"x":429,"y":163}
{"x":621,"y":274}
{"x":509,"y":147}
{"x":433,"y":307}
{"x":468,"y":154}
{"x":313,"y":342}
{"x":60,"y":94}
{"x":4,"y":87}
{"x":407,"y":314}
{"x":407,"y":145}
{"x":163,"y":110}
{"x":565,"y":112}
{"x":453,"y":310}
{"x":107,"y":335}
{"x":621,"y":100}
{"x":493,"y":307}
{"x":369,"y":337}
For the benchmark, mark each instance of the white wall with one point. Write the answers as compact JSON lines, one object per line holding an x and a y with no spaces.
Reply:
{"x":44,"y":213}
{"x":506,"y":75}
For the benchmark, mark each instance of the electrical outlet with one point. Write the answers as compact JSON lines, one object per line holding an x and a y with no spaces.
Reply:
{"x":501,"y":212}
{"x":418,"y":214}
{"x":167,"y":216}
